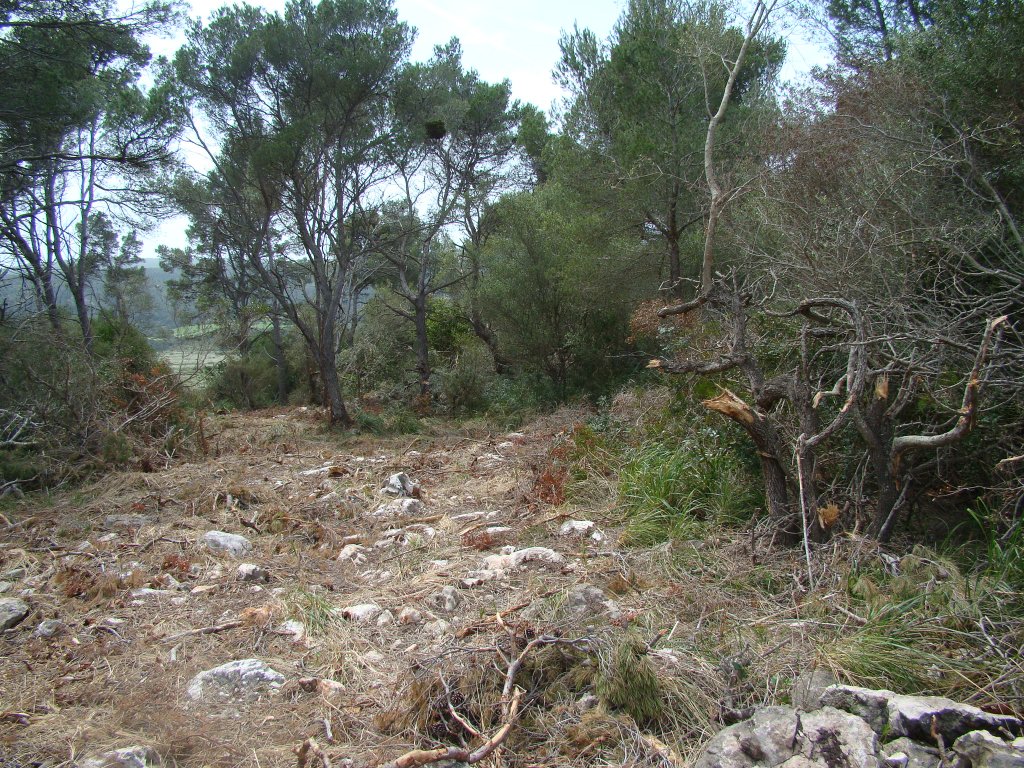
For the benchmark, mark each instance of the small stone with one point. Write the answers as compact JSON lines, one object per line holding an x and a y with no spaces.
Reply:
{"x":576,"y":527}
{"x":353,"y":553}
{"x":409,"y":615}
{"x":228,"y":543}
{"x":245,"y":678}
{"x":126,"y":521}
{"x":128,"y":757}
{"x":5,"y":586}
{"x":585,"y":599}
{"x":253,"y":572}
{"x":399,"y":508}
{"x":437,"y":628}
{"x":448,"y":599}
{"x":399,"y":484}
{"x":587,"y":702}
{"x":12,"y":612}
{"x":904,"y":753}
{"x":387,"y":617}
{"x":50,"y":628}
{"x":362,"y":613}
{"x":294,"y":628}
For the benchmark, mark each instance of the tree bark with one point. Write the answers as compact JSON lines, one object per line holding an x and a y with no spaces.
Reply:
{"x":768,"y":443}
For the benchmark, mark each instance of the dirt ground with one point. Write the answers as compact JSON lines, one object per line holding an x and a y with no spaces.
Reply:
{"x":145,"y":606}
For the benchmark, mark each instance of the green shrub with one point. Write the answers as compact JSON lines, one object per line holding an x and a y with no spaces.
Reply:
{"x":668,"y":491}
{"x":465,"y":381}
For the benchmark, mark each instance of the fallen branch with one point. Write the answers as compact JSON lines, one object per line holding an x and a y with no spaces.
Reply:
{"x":511,"y":697}
{"x":212,"y":630}
{"x":306,"y":747}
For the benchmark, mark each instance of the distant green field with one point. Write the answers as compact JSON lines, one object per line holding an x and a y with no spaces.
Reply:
{"x":194,"y":331}
{"x":191,"y":359}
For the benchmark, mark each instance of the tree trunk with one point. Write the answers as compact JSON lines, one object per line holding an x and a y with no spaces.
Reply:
{"x":331,"y":384}
{"x":422,"y":346}
{"x":280,"y":363}
{"x":84,"y":320}
{"x":768,"y":443}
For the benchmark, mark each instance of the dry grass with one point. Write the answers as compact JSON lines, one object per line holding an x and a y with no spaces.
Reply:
{"x":713,"y":626}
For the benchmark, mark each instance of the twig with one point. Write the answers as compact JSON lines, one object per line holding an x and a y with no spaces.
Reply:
{"x":204,"y":631}
{"x":309,"y":745}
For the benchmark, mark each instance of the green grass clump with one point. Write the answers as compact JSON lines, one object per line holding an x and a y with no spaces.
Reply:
{"x":669,"y":491}
{"x":313,"y":609}
{"x":627,"y":681}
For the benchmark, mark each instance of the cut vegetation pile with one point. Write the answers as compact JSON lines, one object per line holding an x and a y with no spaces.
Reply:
{"x":482,"y":605}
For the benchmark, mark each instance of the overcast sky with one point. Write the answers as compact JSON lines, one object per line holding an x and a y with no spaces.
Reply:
{"x":513,"y":40}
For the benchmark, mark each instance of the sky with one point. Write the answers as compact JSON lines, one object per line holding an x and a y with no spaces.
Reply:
{"x":514,"y":40}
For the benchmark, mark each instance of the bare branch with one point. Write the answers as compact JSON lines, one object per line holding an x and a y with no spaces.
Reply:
{"x":968,"y":407}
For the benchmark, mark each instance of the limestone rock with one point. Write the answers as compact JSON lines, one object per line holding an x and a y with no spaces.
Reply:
{"x":983,"y":750}
{"x":409,"y":615}
{"x":404,"y":507}
{"x":385,"y":619}
{"x":512,"y":558}
{"x":777,"y":736}
{"x":353,"y":553}
{"x":12,"y":612}
{"x":437,"y":628}
{"x":809,"y":686}
{"x":228,"y":543}
{"x":904,"y":753}
{"x":448,"y":599}
{"x":362,"y":613}
{"x":241,"y":679}
{"x":913,"y":716}
{"x":128,"y":757}
{"x":399,"y":484}
{"x":50,"y":628}
{"x":253,"y":572}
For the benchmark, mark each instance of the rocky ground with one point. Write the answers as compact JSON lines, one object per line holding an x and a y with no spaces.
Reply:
{"x":295,"y":598}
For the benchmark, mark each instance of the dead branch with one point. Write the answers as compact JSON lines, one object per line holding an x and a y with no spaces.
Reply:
{"x":511,"y":697}
{"x":968,"y":407}
{"x":211,"y":630}
{"x":308,"y":746}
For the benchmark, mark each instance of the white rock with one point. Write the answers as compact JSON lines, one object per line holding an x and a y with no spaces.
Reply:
{"x":576,"y":527}
{"x":513,"y":558}
{"x":143,"y":592}
{"x":387,"y":617}
{"x":294,"y":628}
{"x":253,"y":572}
{"x":12,"y":612}
{"x":398,"y":508}
{"x":353,"y":553}
{"x":50,"y":628}
{"x":244,"y":678}
{"x":448,"y":599}
{"x":409,"y":615}
{"x":498,"y":530}
{"x":399,"y":484}
{"x":5,"y":586}
{"x":228,"y":543}
{"x":362,"y":613}
{"x":127,"y":757}
{"x":437,"y":628}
